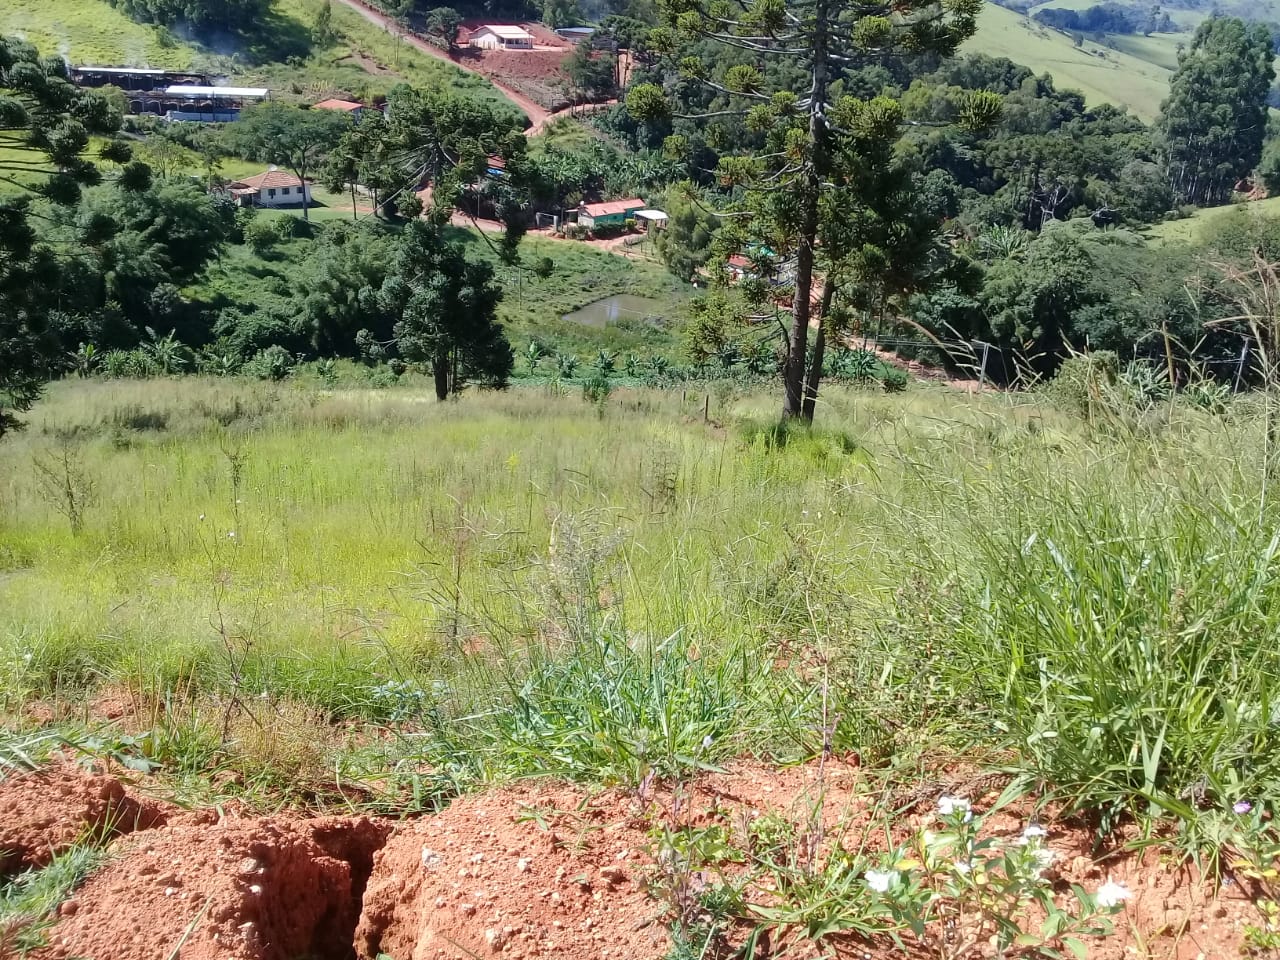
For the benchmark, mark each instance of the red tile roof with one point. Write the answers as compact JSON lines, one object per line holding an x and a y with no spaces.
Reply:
{"x":334,"y":104}
{"x":612,"y":206}
{"x":272,"y":179}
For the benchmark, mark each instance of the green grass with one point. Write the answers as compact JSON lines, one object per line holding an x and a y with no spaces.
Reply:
{"x":92,"y":31}
{"x":1191,"y":229}
{"x":524,"y":583}
{"x":27,"y":901}
{"x":366,"y":62}
{"x":1101,"y":74}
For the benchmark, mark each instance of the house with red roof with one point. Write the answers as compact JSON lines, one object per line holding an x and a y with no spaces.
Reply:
{"x":349,"y":107}
{"x":274,"y":188}
{"x":612,"y":213}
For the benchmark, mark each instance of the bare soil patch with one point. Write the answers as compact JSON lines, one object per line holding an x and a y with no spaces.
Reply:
{"x":44,"y":813}
{"x":535,"y":870}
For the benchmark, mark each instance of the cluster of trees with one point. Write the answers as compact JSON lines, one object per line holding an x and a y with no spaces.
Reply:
{"x":230,"y":15}
{"x":966,"y":193}
{"x":1109,"y":18}
{"x":97,"y":253}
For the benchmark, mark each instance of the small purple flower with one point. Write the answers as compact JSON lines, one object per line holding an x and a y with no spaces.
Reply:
{"x":1242,"y":807}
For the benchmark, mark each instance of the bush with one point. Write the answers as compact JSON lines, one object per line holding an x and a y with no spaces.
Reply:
{"x":273,"y":363}
{"x":133,"y":364}
{"x":596,"y":389}
{"x":1084,"y":380}
{"x":894,"y":380}
{"x":544,"y":267}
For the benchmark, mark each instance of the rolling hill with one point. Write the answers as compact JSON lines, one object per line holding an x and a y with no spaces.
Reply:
{"x":1102,"y":74}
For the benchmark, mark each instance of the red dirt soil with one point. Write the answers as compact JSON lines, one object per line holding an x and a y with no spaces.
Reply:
{"x":536,"y":870}
{"x":44,"y":813}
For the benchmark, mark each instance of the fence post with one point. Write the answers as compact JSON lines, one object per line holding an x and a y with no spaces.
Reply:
{"x":1244,"y":352}
{"x":982,"y":373}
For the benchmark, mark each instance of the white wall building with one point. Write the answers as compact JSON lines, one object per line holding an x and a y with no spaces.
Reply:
{"x":275,"y":188}
{"x":490,"y":37}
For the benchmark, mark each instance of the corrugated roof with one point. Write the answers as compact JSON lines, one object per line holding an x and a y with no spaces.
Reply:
{"x":506,"y":32}
{"x":214,"y":93}
{"x":270,"y":179}
{"x":611,"y":206}
{"x":335,"y":104}
{"x":147,"y":71}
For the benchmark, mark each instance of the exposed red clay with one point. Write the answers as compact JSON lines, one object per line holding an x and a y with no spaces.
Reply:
{"x":538,"y":870}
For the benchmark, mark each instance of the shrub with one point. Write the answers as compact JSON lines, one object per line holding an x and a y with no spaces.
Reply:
{"x":273,"y":363}
{"x":1083,"y":381}
{"x":262,"y":233}
{"x":544,"y":267}
{"x":596,"y":389}
{"x":135,"y":364}
{"x":894,"y":380}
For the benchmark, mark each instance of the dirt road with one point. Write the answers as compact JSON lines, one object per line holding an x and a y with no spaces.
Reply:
{"x":537,"y":115}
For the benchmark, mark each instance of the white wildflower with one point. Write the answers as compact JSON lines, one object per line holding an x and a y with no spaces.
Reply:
{"x":1034,"y":831}
{"x":953,"y":806}
{"x":881,"y":880}
{"x":962,"y":867}
{"x":1112,"y":894}
{"x":1044,"y":857}
{"x":231,"y":534}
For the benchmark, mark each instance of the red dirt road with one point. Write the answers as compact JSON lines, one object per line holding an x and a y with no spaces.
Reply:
{"x":537,"y":114}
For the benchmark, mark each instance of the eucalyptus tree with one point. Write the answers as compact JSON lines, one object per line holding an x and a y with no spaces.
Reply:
{"x":815,"y":139}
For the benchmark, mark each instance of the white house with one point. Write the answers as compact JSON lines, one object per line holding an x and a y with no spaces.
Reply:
{"x":491,"y":37}
{"x":275,"y":188}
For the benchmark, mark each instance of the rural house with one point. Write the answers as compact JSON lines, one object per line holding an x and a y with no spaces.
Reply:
{"x":275,"y":188}
{"x":349,"y":107}
{"x":614,"y":213}
{"x":491,"y":37}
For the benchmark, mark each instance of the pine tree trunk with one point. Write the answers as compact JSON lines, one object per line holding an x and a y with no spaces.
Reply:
{"x":814,"y":380}
{"x":793,"y":369}
{"x":440,"y":368}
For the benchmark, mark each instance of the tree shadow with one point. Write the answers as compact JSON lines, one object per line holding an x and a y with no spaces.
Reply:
{"x":273,"y":38}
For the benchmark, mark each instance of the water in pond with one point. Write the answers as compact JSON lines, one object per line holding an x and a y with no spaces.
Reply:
{"x":623,"y":306}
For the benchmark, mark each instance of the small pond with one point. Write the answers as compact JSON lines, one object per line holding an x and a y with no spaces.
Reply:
{"x":622,"y":306}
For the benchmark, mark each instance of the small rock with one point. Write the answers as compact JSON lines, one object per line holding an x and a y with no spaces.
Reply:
{"x":523,"y":864}
{"x":613,"y":875}
{"x":255,"y":889}
{"x":68,"y":909}
{"x":430,"y":858}
{"x":477,"y":858}
{"x":248,"y":866}
{"x":170,"y":891}
{"x":467,"y":909}
{"x":494,"y":938}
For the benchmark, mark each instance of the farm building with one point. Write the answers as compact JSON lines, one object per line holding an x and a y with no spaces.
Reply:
{"x":349,"y":107}
{"x":614,"y":213}
{"x":490,"y":37}
{"x":274,"y":188}
{"x":575,"y":34}
{"x":205,"y":104}
{"x":132,"y":79}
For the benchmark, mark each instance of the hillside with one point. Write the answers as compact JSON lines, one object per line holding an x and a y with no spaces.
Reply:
{"x":1103,"y":75}
{"x":364,"y":62}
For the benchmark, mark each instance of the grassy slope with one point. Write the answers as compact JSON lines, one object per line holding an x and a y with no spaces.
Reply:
{"x":1101,"y":74}
{"x":1191,"y":228}
{"x":366,"y":62}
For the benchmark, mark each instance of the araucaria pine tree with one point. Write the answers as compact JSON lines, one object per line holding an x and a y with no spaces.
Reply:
{"x":816,"y":137}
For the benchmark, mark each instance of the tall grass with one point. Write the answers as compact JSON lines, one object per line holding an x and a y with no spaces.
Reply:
{"x":524,"y":583}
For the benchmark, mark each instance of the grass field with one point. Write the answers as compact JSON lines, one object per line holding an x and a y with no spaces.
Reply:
{"x":365,"y":62}
{"x":1103,"y":75}
{"x":1192,"y":228}
{"x":368,"y":601}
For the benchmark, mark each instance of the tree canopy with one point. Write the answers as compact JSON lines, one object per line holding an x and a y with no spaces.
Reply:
{"x":1215,"y":118}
